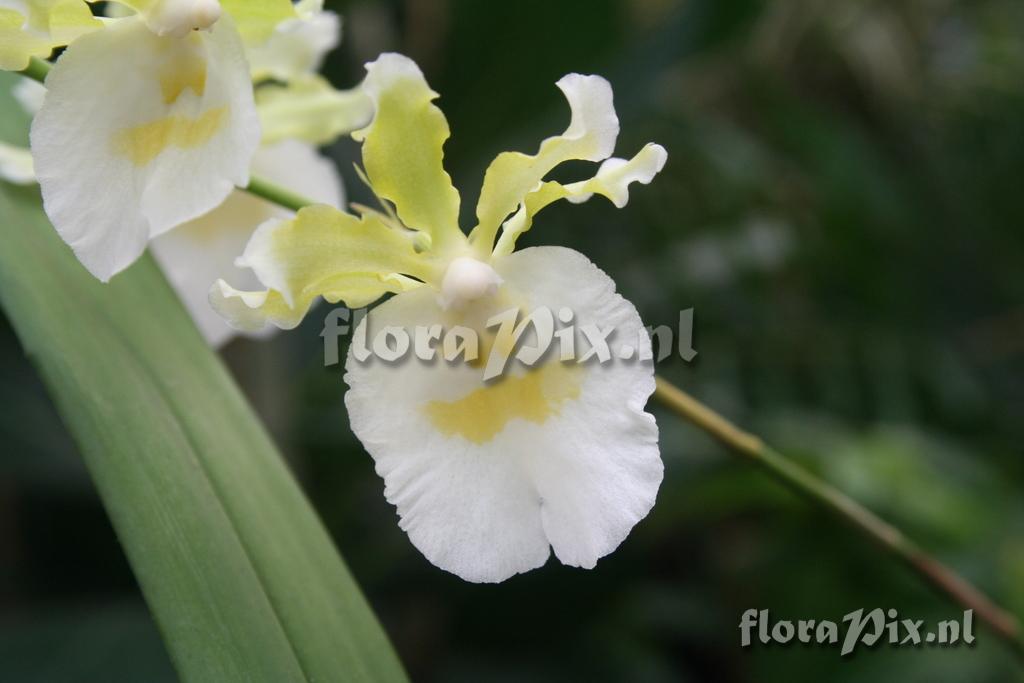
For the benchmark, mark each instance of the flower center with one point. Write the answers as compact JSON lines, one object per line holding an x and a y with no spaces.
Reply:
{"x":467,"y":280}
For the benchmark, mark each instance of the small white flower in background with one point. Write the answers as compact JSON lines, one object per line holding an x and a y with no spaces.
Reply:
{"x":147,"y":123}
{"x":487,"y":477}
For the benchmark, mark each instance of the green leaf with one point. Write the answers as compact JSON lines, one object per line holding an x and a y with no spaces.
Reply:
{"x":242,"y":579}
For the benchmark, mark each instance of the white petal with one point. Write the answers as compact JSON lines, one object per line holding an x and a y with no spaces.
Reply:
{"x":195,"y":255}
{"x":486,"y":502}
{"x":616,"y":175}
{"x":16,"y":165}
{"x":297,"y":46}
{"x":30,"y":95}
{"x":594,"y":125}
{"x":124,"y":158}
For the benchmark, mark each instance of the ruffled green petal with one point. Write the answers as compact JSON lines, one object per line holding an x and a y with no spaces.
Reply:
{"x":590,"y":136}
{"x":310,"y":109}
{"x":255,"y":311}
{"x":612,"y":180}
{"x":17,"y":47}
{"x":63,"y":20}
{"x":322,"y":252}
{"x":257,"y":19}
{"x":48,"y":25}
{"x":402,"y":150}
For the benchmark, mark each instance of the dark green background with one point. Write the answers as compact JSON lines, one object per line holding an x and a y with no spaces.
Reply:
{"x":842,"y":206}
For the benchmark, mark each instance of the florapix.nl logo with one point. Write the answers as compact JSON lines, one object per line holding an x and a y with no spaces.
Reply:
{"x":526,"y":337}
{"x":860,"y":628}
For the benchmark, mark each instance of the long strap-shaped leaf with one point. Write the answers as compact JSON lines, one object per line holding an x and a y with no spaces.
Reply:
{"x":241,"y":577}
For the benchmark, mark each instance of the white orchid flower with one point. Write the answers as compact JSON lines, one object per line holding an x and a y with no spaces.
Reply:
{"x":487,"y":477}
{"x":149,"y":123}
{"x":195,"y":254}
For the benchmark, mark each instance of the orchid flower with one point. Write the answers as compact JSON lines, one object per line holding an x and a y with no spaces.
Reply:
{"x":487,"y":476}
{"x":149,"y":122}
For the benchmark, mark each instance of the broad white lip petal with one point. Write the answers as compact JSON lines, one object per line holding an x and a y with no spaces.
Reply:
{"x":123,"y":159}
{"x":483,"y":493}
{"x":196,"y":254}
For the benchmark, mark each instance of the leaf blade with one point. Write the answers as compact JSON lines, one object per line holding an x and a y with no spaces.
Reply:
{"x":240,"y":575}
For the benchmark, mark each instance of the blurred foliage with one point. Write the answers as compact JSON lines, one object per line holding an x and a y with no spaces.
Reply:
{"x":842,"y":207}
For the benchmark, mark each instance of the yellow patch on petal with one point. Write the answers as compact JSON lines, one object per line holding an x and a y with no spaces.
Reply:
{"x":188,"y":73}
{"x":142,"y":144}
{"x":481,"y":415}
